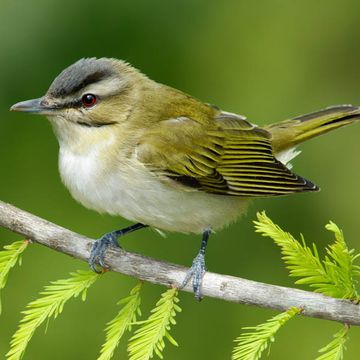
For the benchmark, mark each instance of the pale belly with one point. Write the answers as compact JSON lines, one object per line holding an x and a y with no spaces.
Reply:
{"x":132,"y":192}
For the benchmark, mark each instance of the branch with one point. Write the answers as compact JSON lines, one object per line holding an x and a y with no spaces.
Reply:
{"x":218,"y":286}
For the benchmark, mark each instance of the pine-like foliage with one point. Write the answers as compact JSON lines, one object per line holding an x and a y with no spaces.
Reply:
{"x":51,"y":303}
{"x":121,"y":323}
{"x":8,"y":259}
{"x":333,"y":276}
{"x":251,"y":345}
{"x":335,"y":349}
{"x":149,"y":338}
{"x":340,"y":267}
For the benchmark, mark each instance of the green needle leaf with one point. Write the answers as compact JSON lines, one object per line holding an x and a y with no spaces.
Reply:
{"x":251,"y":345}
{"x":51,"y":303}
{"x":333,"y":276}
{"x":149,"y":338}
{"x":8,"y":259}
{"x":335,"y":349}
{"x":340,"y":267}
{"x":121,"y":323}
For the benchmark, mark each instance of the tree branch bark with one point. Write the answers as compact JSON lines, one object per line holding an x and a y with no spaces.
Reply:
{"x":219,"y":286}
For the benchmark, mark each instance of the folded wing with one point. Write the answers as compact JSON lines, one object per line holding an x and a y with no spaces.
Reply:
{"x":228,"y":156}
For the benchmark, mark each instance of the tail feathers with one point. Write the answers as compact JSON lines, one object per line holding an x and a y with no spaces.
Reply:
{"x":289,"y":133}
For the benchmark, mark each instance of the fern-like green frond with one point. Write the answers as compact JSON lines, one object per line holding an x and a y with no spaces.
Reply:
{"x":339,"y":265}
{"x":121,"y":323}
{"x":334,"y":276}
{"x":302,"y":261}
{"x":149,"y":338}
{"x":8,"y":259}
{"x":51,"y":303}
{"x":335,"y":349}
{"x":251,"y":345}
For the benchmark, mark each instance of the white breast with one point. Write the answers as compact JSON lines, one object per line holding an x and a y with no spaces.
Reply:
{"x":130,"y":190}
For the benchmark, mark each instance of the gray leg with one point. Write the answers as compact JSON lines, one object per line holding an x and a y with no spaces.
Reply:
{"x":197,"y":270}
{"x":97,"y":255}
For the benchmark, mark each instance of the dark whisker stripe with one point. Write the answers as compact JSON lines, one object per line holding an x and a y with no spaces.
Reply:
{"x":95,"y":124}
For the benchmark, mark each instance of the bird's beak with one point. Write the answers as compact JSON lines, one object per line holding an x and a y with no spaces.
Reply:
{"x":34,"y":106}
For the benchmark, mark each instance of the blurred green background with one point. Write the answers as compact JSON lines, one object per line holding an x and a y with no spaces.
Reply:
{"x":267,"y":60}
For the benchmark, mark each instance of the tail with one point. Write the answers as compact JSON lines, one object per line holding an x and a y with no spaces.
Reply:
{"x":287,"y":134}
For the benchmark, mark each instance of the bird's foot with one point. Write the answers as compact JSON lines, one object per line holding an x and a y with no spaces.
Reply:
{"x":97,"y":254}
{"x":196,"y":272}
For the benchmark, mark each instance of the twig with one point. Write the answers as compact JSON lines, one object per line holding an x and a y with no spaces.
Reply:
{"x":219,"y":286}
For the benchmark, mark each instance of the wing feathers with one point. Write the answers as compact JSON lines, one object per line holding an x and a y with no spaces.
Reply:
{"x":232,"y":158}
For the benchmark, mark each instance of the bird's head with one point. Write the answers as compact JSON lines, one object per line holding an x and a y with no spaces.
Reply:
{"x":88,"y":95}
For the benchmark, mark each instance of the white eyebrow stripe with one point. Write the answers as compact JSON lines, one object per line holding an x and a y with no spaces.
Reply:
{"x":106,"y":87}
{"x":103,"y":88}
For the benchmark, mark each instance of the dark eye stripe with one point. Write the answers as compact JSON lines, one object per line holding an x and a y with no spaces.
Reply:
{"x":69,"y":105}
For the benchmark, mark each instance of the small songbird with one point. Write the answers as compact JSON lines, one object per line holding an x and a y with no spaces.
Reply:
{"x":154,"y":155}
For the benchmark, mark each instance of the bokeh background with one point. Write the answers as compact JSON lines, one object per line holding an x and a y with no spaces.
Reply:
{"x":268,"y":60}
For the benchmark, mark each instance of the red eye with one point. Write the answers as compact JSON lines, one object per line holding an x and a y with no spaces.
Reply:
{"x":89,"y":100}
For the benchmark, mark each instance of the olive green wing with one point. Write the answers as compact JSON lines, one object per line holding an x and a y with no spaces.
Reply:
{"x":228,"y":157}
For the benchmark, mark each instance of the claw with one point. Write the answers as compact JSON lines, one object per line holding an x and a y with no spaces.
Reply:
{"x":98,"y":251}
{"x":97,"y":255}
{"x":102,"y":260}
{"x":198,"y":268}
{"x":196,"y":272}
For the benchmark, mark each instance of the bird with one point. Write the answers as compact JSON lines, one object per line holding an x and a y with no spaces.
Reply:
{"x":154,"y":155}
